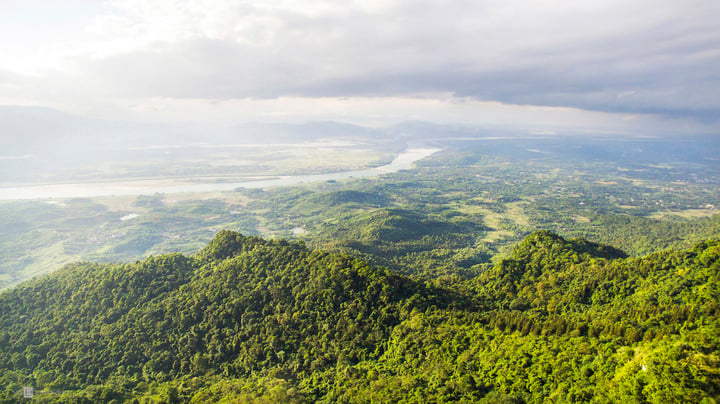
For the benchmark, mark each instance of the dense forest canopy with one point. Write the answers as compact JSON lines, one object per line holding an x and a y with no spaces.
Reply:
{"x":249,"y":319}
{"x":425,"y":285}
{"x":359,"y":202}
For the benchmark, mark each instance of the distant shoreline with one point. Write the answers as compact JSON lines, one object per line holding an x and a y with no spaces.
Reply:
{"x":402,"y":161}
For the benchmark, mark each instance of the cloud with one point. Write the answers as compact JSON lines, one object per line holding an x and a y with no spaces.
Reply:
{"x":641,"y":57}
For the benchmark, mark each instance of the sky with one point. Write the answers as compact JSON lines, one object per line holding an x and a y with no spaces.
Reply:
{"x":540,"y":66}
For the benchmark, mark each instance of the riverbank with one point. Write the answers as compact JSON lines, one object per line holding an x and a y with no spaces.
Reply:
{"x":403,"y":161}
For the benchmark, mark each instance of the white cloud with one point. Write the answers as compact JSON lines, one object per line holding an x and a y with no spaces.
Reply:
{"x":639,"y":57}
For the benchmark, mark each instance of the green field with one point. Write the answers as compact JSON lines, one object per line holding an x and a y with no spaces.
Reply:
{"x":450,"y":215}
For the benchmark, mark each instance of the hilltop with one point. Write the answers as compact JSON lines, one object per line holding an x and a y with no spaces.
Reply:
{"x":251,"y":319}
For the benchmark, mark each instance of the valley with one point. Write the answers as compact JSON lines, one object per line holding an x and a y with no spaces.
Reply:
{"x":452,"y":213}
{"x":480,"y":272}
{"x":361,"y":202}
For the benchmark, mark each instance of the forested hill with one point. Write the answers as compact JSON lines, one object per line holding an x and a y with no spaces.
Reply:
{"x":248,"y":319}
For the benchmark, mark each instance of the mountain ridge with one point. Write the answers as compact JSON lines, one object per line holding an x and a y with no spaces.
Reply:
{"x":248,"y":318}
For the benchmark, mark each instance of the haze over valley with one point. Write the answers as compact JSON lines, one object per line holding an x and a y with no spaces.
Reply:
{"x":381,"y":201}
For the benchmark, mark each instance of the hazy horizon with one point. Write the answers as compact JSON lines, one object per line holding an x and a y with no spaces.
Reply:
{"x":642,"y":67}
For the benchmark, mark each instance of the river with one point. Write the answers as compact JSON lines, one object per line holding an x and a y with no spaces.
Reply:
{"x":403,"y":161}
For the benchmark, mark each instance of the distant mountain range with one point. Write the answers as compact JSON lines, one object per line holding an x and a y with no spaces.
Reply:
{"x":32,"y":129}
{"x":39,"y":130}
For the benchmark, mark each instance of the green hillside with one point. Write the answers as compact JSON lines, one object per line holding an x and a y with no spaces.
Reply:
{"x":251,"y":320}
